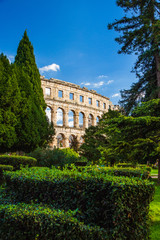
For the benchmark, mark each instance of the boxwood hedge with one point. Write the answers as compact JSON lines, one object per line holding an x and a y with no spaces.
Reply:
{"x":4,"y":168}
{"x":17,"y":161}
{"x":118,"y":204}
{"x":28,"y":222}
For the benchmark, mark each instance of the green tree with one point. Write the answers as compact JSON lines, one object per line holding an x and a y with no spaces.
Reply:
{"x":92,"y":141}
{"x":33,"y":128}
{"x":133,"y":139}
{"x":9,"y":105}
{"x":140,"y":35}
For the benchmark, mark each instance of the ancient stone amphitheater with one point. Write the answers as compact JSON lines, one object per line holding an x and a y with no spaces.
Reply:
{"x":72,"y":109}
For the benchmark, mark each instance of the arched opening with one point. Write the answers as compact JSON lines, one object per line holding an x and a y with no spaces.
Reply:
{"x":71,"y":140}
{"x":60,"y":140}
{"x":48,"y":113}
{"x":71,"y":117}
{"x":59,"y":117}
{"x":97,"y":119}
{"x":81,"y":120}
{"x":90,"y":120}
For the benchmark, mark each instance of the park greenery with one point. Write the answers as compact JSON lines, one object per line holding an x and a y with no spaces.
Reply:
{"x":102,"y":190}
{"x":23,"y":122}
{"x":140,"y":34}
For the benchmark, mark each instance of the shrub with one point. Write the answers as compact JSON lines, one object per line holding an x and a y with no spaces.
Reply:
{"x":17,"y":161}
{"x":22,"y":221}
{"x":4,"y":168}
{"x":118,"y":204}
{"x":126,"y":172}
{"x":54,"y":157}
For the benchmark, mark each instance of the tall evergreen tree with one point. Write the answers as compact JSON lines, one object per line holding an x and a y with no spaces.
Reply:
{"x":140,"y":35}
{"x":9,"y":105}
{"x":33,"y":128}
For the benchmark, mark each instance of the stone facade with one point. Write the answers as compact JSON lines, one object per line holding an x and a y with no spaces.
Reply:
{"x":72,"y":109}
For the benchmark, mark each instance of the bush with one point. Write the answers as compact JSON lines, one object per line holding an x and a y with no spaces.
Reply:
{"x":4,"y":168}
{"x":118,"y":204}
{"x":22,"y":221}
{"x":17,"y":161}
{"x":126,"y":165}
{"x":54,"y":157}
{"x":126,"y":172}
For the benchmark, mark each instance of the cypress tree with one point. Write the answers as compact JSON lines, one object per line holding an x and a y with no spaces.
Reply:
{"x":9,"y":105}
{"x":140,"y":35}
{"x":33,"y":129}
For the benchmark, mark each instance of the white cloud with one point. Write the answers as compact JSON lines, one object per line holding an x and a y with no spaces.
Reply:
{"x":116,"y":95}
{"x":102,"y":76}
{"x":99,"y":84}
{"x":11,"y":58}
{"x":53,"y":67}
{"x":109,"y":82}
{"x":86,"y":84}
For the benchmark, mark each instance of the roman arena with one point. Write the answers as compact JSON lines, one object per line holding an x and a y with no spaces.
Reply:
{"x":72,"y":109}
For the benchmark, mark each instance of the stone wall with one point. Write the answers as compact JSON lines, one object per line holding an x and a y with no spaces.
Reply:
{"x":72,"y":109}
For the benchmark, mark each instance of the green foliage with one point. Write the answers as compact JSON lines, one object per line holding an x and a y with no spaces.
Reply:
{"x":17,"y":161}
{"x":140,"y":28}
{"x":118,"y":204}
{"x":22,"y":221}
{"x":33,"y":128}
{"x":10,"y":99}
{"x":54,"y":157}
{"x":126,"y":172}
{"x":4,"y":168}
{"x":92,"y":141}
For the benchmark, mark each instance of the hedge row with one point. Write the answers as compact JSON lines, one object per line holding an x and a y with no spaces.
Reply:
{"x":131,"y":165}
{"x":118,"y":204}
{"x":126,"y":172}
{"x":4,"y":168}
{"x":17,"y":161}
{"x":28,"y":222}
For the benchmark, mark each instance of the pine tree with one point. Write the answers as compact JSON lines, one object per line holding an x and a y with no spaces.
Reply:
{"x":141,"y":35}
{"x":9,"y":105}
{"x":33,"y":128}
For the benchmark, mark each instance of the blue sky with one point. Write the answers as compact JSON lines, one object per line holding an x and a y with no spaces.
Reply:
{"x":71,"y":41}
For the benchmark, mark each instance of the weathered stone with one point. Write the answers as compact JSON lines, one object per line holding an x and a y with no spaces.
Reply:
{"x":75,"y":99}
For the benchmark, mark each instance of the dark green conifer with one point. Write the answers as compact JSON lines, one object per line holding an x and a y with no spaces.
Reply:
{"x":10,"y":99}
{"x":33,"y":128}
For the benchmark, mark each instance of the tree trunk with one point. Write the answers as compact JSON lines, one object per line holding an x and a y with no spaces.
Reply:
{"x":157,"y":58}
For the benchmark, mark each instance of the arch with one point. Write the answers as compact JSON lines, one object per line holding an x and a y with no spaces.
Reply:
{"x":97,"y":119}
{"x":81,"y":119}
{"x":90,"y":120}
{"x":71,"y":118}
{"x":72,"y":138}
{"x":49,"y":113}
{"x":60,"y":113}
{"x":60,"y":140}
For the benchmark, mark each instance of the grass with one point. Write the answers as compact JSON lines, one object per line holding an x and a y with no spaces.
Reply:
{"x":155,"y":215}
{"x":154,"y":171}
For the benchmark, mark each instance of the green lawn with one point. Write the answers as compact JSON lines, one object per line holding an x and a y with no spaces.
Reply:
{"x":155,"y":215}
{"x":154,"y":172}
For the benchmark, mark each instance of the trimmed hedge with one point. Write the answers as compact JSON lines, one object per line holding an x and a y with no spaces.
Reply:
{"x":28,"y":222}
{"x":118,"y":204}
{"x":17,"y":161}
{"x":126,"y":172}
{"x":4,"y":168}
{"x":131,"y":165}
